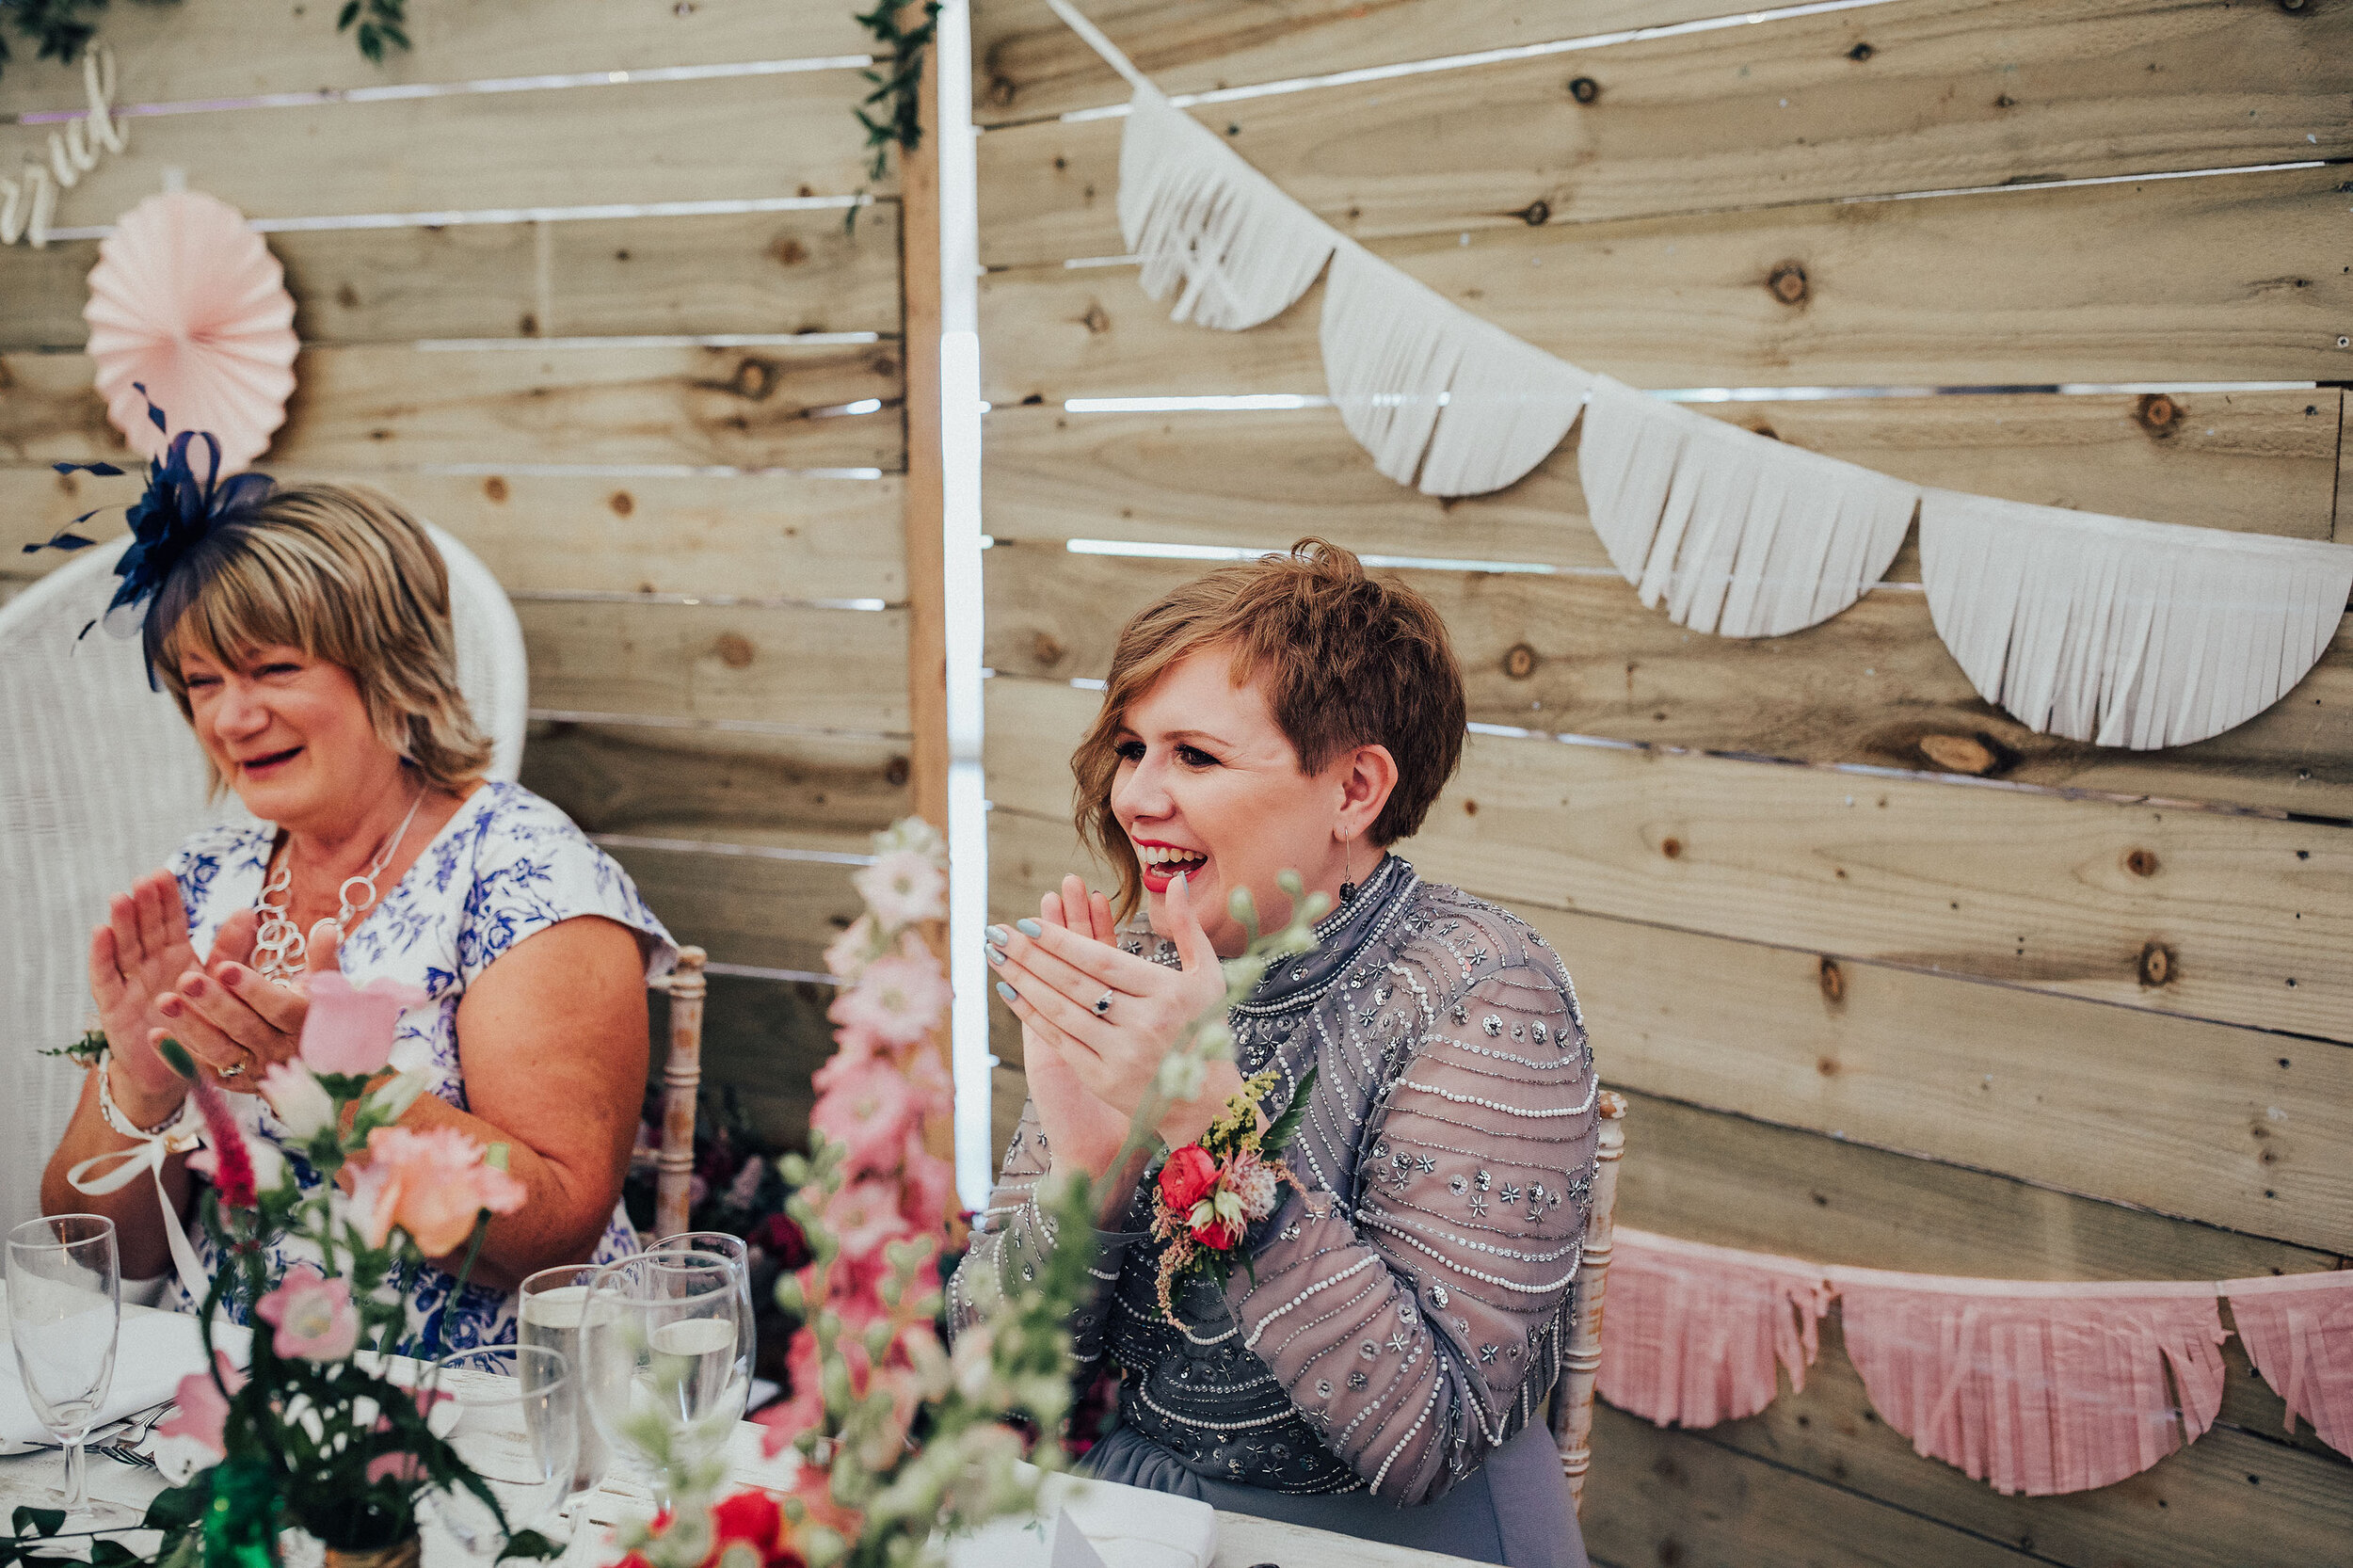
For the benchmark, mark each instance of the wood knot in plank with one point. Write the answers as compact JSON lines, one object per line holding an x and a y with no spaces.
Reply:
{"x":788,"y":251}
{"x":734,"y":650}
{"x":494,"y":488}
{"x":2156,"y":964}
{"x":896,"y":771}
{"x":1671,"y":848}
{"x":622,"y":504}
{"x":1096,"y":321}
{"x":1861,"y":52}
{"x":1833,"y":980}
{"x":1969,"y":754}
{"x":1519,"y":661}
{"x":1584,"y":89}
{"x":1536,"y":213}
{"x":1788,"y":284}
{"x":755,"y":378}
{"x":2141,"y":863}
{"x":1045,"y":650}
{"x":2157,"y":414}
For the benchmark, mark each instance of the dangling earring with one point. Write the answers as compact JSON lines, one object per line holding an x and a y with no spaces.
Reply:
{"x":1348,"y":871}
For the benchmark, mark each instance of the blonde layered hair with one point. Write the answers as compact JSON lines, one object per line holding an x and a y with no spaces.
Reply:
{"x":347,"y":576}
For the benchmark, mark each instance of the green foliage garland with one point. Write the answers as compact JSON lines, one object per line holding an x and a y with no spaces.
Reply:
{"x":61,"y":29}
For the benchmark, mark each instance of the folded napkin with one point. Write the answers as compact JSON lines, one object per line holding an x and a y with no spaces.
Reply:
{"x":153,"y":1351}
{"x":1080,"y":1524}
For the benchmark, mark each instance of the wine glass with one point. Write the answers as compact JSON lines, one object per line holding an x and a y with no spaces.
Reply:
{"x":737,"y":1252}
{"x":65,"y":1312}
{"x":666,"y":1337}
{"x":551,"y":1302}
{"x":518,"y":1428}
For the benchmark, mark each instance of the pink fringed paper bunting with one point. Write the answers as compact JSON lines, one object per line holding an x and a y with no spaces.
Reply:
{"x":2036,"y":1387}
{"x":2298,"y":1331}
{"x":1695,"y":1331}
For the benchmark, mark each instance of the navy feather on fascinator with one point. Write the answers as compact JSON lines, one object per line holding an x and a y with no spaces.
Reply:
{"x":179,"y":531}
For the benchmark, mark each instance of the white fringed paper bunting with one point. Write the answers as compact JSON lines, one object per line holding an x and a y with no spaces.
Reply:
{"x":1736,"y":534}
{"x":2119,"y":631}
{"x":1438,"y":396}
{"x":1201,"y":217}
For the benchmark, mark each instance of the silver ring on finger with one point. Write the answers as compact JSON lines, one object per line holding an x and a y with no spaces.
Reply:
{"x":235,"y":1069}
{"x":1103,"y":1004}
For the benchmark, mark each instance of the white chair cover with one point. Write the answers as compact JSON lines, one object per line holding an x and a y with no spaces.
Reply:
{"x":100,"y":780}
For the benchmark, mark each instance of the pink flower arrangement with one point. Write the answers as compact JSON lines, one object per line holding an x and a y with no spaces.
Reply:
{"x":203,"y":1408}
{"x":350,"y":1028}
{"x":875,"y":1096}
{"x":313,"y":1315}
{"x":431,"y":1184}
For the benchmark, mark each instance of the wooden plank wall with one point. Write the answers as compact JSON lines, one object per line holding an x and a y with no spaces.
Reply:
{"x":1888,"y":979}
{"x":703,"y":542}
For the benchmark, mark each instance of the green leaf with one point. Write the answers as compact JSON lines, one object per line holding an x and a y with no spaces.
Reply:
{"x":112,"y":1554}
{"x":46,"y":1521}
{"x":529,"y":1544}
{"x":349,"y":14}
{"x":1287,"y":1125}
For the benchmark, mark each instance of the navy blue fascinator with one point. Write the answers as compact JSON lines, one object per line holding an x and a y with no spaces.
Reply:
{"x":182,"y":528}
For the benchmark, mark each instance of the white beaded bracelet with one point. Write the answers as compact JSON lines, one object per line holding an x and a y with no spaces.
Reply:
{"x":179,"y":1138}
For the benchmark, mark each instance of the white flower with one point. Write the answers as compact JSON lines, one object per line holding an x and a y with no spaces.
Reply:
{"x":1181,"y":1075}
{"x":300,"y":1099}
{"x":904,"y":887}
{"x":1256,"y":1186}
{"x":269,"y":1166}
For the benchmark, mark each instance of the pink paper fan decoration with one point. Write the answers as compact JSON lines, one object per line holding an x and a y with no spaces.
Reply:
{"x":188,"y":300}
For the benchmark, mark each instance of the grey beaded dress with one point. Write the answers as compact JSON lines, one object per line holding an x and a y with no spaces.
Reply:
{"x":1382,"y":1373}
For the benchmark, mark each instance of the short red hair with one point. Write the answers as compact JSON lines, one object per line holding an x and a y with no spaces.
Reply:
{"x":1348,"y":659}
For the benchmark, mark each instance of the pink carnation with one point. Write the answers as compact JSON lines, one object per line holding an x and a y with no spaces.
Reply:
{"x":313,"y":1314}
{"x":898,"y":998}
{"x":349,"y":1028}
{"x":431,"y":1184}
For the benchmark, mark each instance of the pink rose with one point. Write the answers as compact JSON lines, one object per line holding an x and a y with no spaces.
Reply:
{"x":314,"y":1316}
{"x":431,"y":1184}
{"x":203,"y":1409}
{"x":350,"y":1029}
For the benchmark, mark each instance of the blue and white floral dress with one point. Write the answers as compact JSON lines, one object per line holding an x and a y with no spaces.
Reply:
{"x":507,"y":865}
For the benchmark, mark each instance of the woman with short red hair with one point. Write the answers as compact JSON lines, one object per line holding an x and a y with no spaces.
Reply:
{"x":1379,"y":1368}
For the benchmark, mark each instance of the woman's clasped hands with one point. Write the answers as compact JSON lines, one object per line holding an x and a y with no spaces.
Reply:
{"x":1097,"y":1022}
{"x":148,"y":985}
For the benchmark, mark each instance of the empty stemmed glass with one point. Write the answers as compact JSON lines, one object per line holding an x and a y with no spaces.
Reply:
{"x":666,"y":1337}
{"x":518,"y":1428}
{"x":64,"y":1314}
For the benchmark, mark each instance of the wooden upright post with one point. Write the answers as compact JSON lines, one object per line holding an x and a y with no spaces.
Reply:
{"x":681,"y":1080}
{"x":924,"y":515}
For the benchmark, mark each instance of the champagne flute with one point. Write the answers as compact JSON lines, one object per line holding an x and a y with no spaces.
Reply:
{"x":64,"y":1314}
{"x":737,"y":1252}
{"x":552,"y":1303}
{"x":518,"y":1428}
{"x":665,"y":1337}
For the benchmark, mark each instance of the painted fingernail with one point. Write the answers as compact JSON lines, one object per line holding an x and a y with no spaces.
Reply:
{"x":168,"y":1007}
{"x":1180,"y":881}
{"x":1007,"y":992}
{"x":995,"y":953}
{"x":1028,"y":928}
{"x":997,"y":934}
{"x":195,"y":986}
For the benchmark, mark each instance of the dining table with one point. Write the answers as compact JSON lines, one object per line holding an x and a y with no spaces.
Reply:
{"x":121,"y":1489}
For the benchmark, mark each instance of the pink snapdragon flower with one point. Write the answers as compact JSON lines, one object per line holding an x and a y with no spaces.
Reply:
{"x":203,"y":1409}
{"x":350,"y":1028}
{"x":868,"y":1105}
{"x":904,"y":887}
{"x":314,"y":1316}
{"x":431,"y":1184}
{"x":898,"y":999}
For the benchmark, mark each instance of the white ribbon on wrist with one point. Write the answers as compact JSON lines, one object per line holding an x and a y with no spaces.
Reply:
{"x":148,"y":1154}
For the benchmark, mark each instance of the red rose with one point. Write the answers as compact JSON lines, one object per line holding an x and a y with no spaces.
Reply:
{"x":1217,"y":1235}
{"x":1189,"y":1176}
{"x":756,"y":1520}
{"x":782,"y":1240}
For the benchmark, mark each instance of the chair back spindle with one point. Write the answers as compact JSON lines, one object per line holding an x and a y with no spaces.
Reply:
{"x":681,"y":1080}
{"x":1573,"y":1397}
